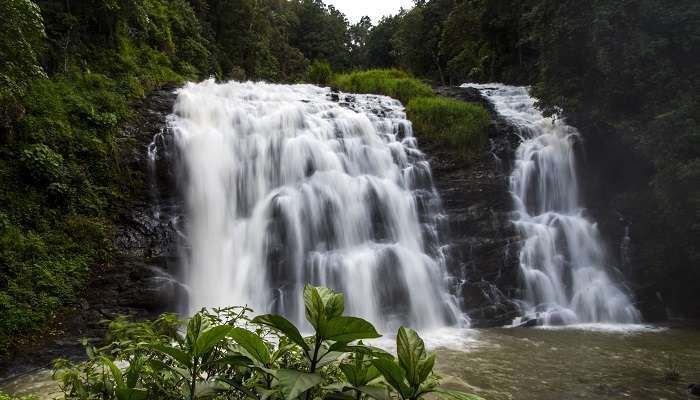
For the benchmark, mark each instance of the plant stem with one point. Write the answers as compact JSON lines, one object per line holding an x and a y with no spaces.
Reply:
{"x":317,"y":347}
{"x":194,"y":378}
{"x":312,"y":367}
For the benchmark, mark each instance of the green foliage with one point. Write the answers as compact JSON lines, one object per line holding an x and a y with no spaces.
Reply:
{"x":42,"y":163}
{"x":225,"y":355}
{"x":62,"y":159}
{"x":319,"y":72}
{"x":321,"y":33}
{"x":391,"y":82}
{"x":462,"y":125}
{"x":20,"y":46}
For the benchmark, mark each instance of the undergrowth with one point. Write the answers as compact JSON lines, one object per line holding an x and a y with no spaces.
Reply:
{"x":390,"y":82}
{"x":461,"y":125}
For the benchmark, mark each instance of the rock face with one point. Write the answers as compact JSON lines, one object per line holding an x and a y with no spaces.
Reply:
{"x":484,"y":244}
{"x":138,"y":282}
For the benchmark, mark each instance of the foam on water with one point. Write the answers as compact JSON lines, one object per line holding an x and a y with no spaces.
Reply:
{"x":454,"y":339}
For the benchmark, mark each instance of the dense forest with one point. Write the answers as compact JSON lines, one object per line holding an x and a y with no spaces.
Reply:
{"x":624,"y":72}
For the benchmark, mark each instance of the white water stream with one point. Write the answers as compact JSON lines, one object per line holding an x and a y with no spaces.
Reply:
{"x":565,"y":272}
{"x":284,"y":187}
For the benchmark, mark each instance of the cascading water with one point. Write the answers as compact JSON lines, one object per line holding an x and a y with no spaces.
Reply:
{"x":562,"y":259}
{"x":284,"y":186}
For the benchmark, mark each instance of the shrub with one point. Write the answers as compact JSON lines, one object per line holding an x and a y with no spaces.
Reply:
{"x":460,"y":124}
{"x":226,"y":355}
{"x":391,"y":82}
{"x":319,"y":72}
{"x":42,"y":163}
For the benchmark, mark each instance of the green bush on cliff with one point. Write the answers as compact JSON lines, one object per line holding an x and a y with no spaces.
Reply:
{"x":459,"y":124}
{"x":390,"y":82}
{"x":227,"y":355}
{"x":319,"y":72}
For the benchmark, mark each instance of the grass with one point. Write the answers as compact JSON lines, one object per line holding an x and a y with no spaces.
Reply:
{"x":390,"y":82}
{"x":456,"y":123}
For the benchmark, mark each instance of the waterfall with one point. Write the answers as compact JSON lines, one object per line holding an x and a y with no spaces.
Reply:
{"x":284,"y":186}
{"x":563,"y":265}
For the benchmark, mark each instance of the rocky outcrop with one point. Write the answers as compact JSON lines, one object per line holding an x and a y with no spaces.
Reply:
{"x":484,"y":244}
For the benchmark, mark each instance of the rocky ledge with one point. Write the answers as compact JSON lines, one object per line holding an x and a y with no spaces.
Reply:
{"x":483,"y":242}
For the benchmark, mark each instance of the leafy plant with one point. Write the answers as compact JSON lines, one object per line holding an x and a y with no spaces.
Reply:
{"x":42,"y":163}
{"x":320,"y":72}
{"x":225,"y":355}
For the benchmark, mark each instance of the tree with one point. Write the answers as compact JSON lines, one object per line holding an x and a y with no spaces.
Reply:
{"x":21,"y":43}
{"x":359,"y":34}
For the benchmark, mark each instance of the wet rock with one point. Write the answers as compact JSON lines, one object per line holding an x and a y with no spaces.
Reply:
{"x":527,"y":323}
{"x":694,"y":390}
{"x":483,"y":243}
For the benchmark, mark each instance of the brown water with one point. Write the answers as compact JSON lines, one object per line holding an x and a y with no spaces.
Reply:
{"x":538,"y":364}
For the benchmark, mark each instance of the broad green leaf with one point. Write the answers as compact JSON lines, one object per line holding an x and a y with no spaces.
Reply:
{"x":314,"y":308}
{"x":159,"y":366}
{"x":375,"y":392}
{"x":282,"y":350}
{"x":125,"y":393}
{"x":425,"y":367}
{"x":265,"y":393}
{"x":456,"y":395}
{"x":208,"y":389}
{"x":354,"y":375}
{"x":334,"y":303}
{"x":411,"y":350}
{"x":175,"y":353}
{"x":293,"y":383}
{"x":232,"y":361}
{"x":116,"y":373}
{"x":281,"y":324}
{"x":361,"y":349}
{"x":393,"y":374}
{"x":252,"y":344}
{"x":328,"y":358}
{"x":322,"y":303}
{"x":134,"y":371}
{"x":209,"y":338}
{"x":347,"y":329}
{"x":371,"y":374}
{"x":194,"y":327}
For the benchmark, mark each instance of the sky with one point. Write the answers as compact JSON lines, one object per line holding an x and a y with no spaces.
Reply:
{"x":355,"y":9}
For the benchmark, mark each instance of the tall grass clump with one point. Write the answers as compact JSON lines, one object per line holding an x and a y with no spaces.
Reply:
{"x":391,"y":82}
{"x":459,"y":124}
